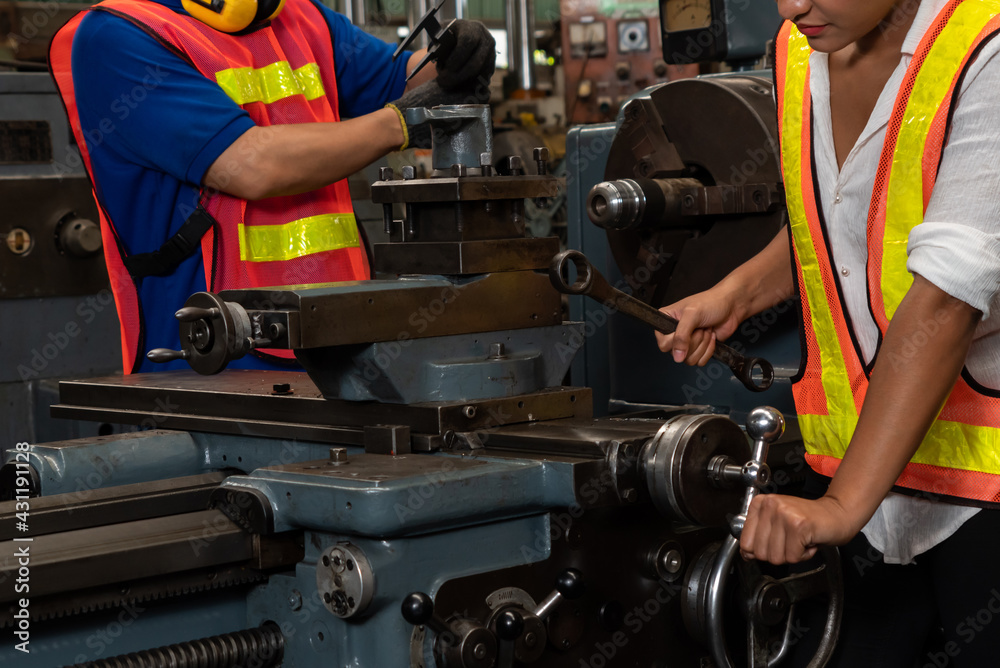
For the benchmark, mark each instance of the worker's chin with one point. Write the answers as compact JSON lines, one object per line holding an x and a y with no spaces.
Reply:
{"x":829,"y":41}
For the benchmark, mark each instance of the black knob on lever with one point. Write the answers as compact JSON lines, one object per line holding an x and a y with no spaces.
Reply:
{"x":463,"y":643}
{"x":510,"y":626}
{"x":164,"y":355}
{"x":192,"y":313}
{"x":569,"y":586}
{"x":418,"y":609}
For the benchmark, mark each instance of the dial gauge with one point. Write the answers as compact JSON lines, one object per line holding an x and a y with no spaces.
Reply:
{"x":687,"y":14}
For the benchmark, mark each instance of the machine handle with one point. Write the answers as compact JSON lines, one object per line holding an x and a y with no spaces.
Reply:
{"x":569,"y":586}
{"x":164,"y":355}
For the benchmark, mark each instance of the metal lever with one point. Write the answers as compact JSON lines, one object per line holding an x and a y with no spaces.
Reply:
{"x":192,"y":313}
{"x":461,"y":644}
{"x":164,"y":355}
{"x":418,"y":609}
{"x":569,"y":586}
{"x":589,"y":282}
{"x":764,"y":425}
{"x":510,"y":625}
{"x":442,"y":40}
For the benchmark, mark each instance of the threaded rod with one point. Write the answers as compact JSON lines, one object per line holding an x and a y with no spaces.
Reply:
{"x":262,"y":647}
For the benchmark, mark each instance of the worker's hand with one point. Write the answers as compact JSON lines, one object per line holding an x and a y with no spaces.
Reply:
{"x":473,"y":59}
{"x":431,"y":94}
{"x":703,"y":319}
{"x":786,"y":529}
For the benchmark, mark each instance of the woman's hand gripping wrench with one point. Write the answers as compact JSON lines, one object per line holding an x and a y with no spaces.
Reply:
{"x":589,"y":282}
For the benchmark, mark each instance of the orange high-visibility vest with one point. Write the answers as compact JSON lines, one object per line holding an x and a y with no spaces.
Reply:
{"x":282,"y":73}
{"x":960,"y":456}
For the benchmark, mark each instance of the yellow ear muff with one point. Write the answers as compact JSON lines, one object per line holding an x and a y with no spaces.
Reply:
{"x":223,"y":15}
{"x":281,"y":5}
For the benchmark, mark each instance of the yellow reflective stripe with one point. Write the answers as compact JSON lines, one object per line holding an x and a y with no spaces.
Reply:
{"x":960,"y":446}
{"x":316,"y":234}
{"x":271,"y":83}
{"x":905,"y":197}
{"x":827,"y":434}
{"x":836,"y":383}
{"x":948,"y":444}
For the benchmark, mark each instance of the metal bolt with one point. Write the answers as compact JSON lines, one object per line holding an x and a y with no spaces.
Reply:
{"x":338,"y":455}
{"x":479,"y":651}
{"x":281,"y":388}
{"x":469,"y":411}
{"x":486,"y":163}
{"x":688,"y":201}
{"x":629,"y":451}
{"x":541,"y":155}
{"x":497,"y":351}
{"x":514,"y":165}
{"x":385,"y":174}
{"x":295,"y":600}
{"x":672,"y":561}
{"x":459,"y":170}
{"x":409,"y":173}
{"x":530,"y":640}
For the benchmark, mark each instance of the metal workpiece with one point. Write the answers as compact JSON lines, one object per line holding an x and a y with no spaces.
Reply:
{"x":632,"y":204}
{"x":345,"y":580}
{"x":676,"y":465}
{"x":447,"y":368}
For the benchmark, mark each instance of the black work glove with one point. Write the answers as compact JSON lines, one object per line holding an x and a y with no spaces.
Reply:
{"x":473,"y":59}
{"x":431,"y":94}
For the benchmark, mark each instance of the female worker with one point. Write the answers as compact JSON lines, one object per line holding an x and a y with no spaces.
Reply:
{"x":889,"y":115}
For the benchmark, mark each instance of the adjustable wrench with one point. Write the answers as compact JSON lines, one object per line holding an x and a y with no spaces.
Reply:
{"x":589,"y":282}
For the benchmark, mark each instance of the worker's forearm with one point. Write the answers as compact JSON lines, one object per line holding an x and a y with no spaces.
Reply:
{"x":291,"y":159}
{"x":424,"y":75}
{"x":916,"y":369}
{"x":764,"y":280}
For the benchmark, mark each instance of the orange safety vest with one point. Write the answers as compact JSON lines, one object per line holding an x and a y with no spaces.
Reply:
{"x":282,"y":73}
{"x":960,"y":456}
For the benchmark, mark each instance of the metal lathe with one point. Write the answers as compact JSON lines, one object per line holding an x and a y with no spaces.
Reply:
{"x":432,"y":492}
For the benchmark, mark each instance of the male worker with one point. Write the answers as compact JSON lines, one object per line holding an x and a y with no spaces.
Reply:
{"x":212,"y":132}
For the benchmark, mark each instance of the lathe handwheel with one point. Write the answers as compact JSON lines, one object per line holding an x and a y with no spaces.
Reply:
{"x":768,"y":601}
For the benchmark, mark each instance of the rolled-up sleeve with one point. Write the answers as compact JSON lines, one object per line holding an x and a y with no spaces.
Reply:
{"x":957,"y":247}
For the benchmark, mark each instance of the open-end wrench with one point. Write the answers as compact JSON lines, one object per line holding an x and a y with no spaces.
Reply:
{"x":589,"y":282}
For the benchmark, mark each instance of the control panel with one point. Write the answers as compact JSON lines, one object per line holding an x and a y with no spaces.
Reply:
{"x":611,"y":50}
